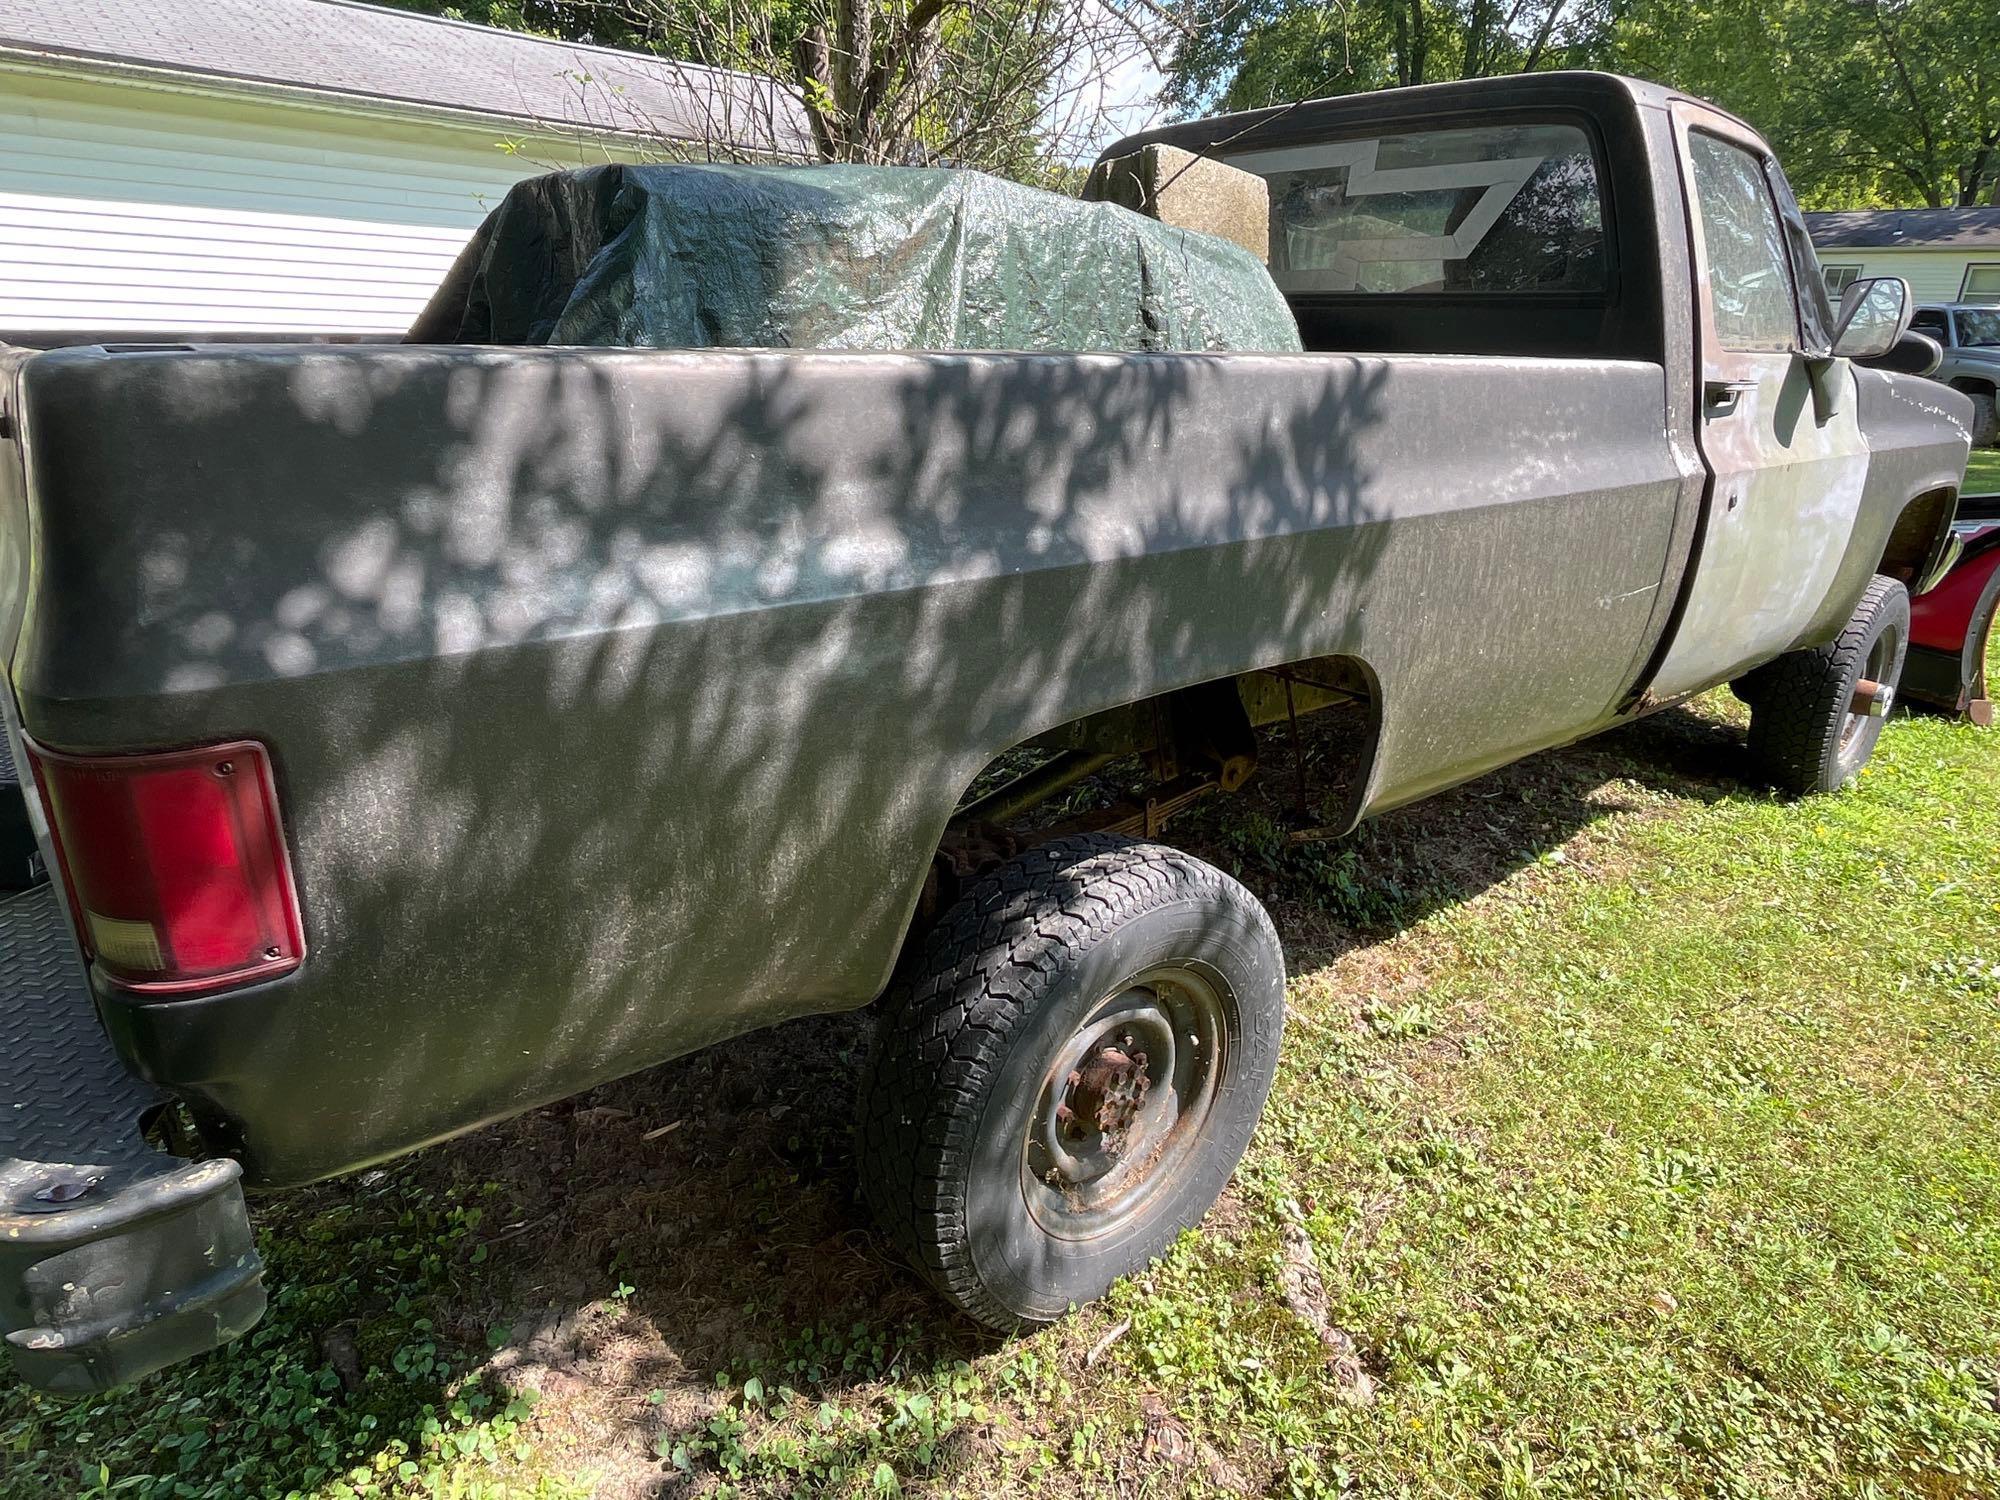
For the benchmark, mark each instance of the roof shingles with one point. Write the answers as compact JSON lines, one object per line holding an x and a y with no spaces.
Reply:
{"x":368,"y":52}
{"x":1907,"y":229}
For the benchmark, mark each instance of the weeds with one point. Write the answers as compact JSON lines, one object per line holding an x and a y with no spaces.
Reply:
{"x":271,"y":1413}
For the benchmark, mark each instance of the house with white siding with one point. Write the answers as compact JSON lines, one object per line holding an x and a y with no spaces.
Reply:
{"x":303,"y":166}
{"x":1946,"y":254}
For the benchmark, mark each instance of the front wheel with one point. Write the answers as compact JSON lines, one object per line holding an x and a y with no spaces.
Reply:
{"x":1985,"y":419}
{"x":1815,"y":715}
{"x":1068,"y":1075}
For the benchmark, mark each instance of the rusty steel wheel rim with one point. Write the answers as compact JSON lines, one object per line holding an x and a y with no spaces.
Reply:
{"x":1880,"y":656}
{"x":1123,"y":1101}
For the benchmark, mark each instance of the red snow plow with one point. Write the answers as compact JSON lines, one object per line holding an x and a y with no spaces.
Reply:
{"x":1951,"y":625}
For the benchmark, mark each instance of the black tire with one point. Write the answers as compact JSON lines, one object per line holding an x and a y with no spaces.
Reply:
{"x":1985,"y":419}
{"x":1749,"y":686}
{"x":959,"y":1137}
{"x":1803,"y":733}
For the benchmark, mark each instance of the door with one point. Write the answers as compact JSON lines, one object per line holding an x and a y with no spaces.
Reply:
{"x":1785,"y":472}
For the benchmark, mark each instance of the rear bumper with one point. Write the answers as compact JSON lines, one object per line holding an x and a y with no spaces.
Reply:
{"x":115,"y":1258}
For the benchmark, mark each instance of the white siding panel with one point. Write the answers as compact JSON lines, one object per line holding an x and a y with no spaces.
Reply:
{"x":1933,"y":275}
{"x":136,"y":208}
{"x":83,"y":264}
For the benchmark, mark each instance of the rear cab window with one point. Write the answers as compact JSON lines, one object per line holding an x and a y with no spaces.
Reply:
{"x":1508,"y":209}
{"x":1458,"y":235}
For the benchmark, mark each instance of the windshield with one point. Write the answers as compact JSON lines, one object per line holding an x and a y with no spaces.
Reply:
{"x":1980,"y":329}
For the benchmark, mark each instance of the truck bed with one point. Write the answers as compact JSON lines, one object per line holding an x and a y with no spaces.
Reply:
{"x":618,"y":699}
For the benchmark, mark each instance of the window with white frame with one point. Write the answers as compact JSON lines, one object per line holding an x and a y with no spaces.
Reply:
{"x":1839,"y":279}
{"x":1982,"y":283}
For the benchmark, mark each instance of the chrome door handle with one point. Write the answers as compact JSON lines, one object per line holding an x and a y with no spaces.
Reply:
{"x":1722,"y":395}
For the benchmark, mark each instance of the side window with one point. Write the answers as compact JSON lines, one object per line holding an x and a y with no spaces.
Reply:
{"x":1930,"y":321}
{"x":1979,"y":327}
{"x":1747,"y":269}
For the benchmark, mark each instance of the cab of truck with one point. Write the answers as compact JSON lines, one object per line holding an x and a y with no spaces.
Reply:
{"x":1594,"y":216}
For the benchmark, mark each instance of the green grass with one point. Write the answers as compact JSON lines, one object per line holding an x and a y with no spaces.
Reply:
{"x":1641,"y":1128}
{"x":1982,"y":472}
{"x":1700,"y":1198}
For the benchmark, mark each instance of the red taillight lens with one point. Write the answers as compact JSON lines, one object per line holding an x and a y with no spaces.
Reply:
{"x":175,"y":864}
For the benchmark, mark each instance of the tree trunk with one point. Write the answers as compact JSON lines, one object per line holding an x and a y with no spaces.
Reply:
{"x":815,"y":75}
{"x":1412,"y":43}
{"x":1542,"y":35}
{"x":853,"y":51}
{"x":1475,"y":40}
{"x":1977,"y":176}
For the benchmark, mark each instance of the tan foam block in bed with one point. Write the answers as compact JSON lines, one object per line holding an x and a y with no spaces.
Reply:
{"x":1190,"y":192}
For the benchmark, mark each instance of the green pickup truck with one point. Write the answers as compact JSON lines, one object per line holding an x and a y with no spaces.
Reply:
{"x":416,"y":734}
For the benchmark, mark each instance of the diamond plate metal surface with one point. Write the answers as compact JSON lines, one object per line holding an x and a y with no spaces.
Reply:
{"x":68,"y":1109}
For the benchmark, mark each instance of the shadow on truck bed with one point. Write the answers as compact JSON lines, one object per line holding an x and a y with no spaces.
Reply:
{"x":511,"y":670}
{"x":699,"y":1219}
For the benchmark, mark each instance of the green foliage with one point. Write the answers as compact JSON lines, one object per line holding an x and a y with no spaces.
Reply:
{"x":269,"y":1414}
{"x":573,"y":22}
{"x":1982,"y":472}
{"x":1337,"y":874}
{"x":1867,"y":101}
{"x":1665,"y":1168}
{"x":784,"y":1430}
{"x":598,"y":22}
{"x":1248,"y":55}
{"x":1714,"y":1211}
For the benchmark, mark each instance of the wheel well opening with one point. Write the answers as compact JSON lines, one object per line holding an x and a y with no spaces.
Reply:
{"x":1973,"y":386}
{"x":1915,"y":532}
{"x":1308,"y":729}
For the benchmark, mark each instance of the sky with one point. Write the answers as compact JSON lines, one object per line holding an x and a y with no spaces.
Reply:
{"x":1115,"y":95}
{"x":1131,"y":91}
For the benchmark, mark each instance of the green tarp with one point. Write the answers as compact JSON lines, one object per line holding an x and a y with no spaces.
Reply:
{"x":842,"y":257}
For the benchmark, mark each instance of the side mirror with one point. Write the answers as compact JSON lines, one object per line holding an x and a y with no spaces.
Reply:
{"x":1874,"y":316}
{"x":1915,"y":354}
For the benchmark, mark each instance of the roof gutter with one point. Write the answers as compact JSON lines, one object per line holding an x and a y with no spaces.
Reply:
{"x":1923,"y":249}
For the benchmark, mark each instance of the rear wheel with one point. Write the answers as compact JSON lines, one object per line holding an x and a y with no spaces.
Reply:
{"x":1069,"y":1073}
{"x":1815,"y":715}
